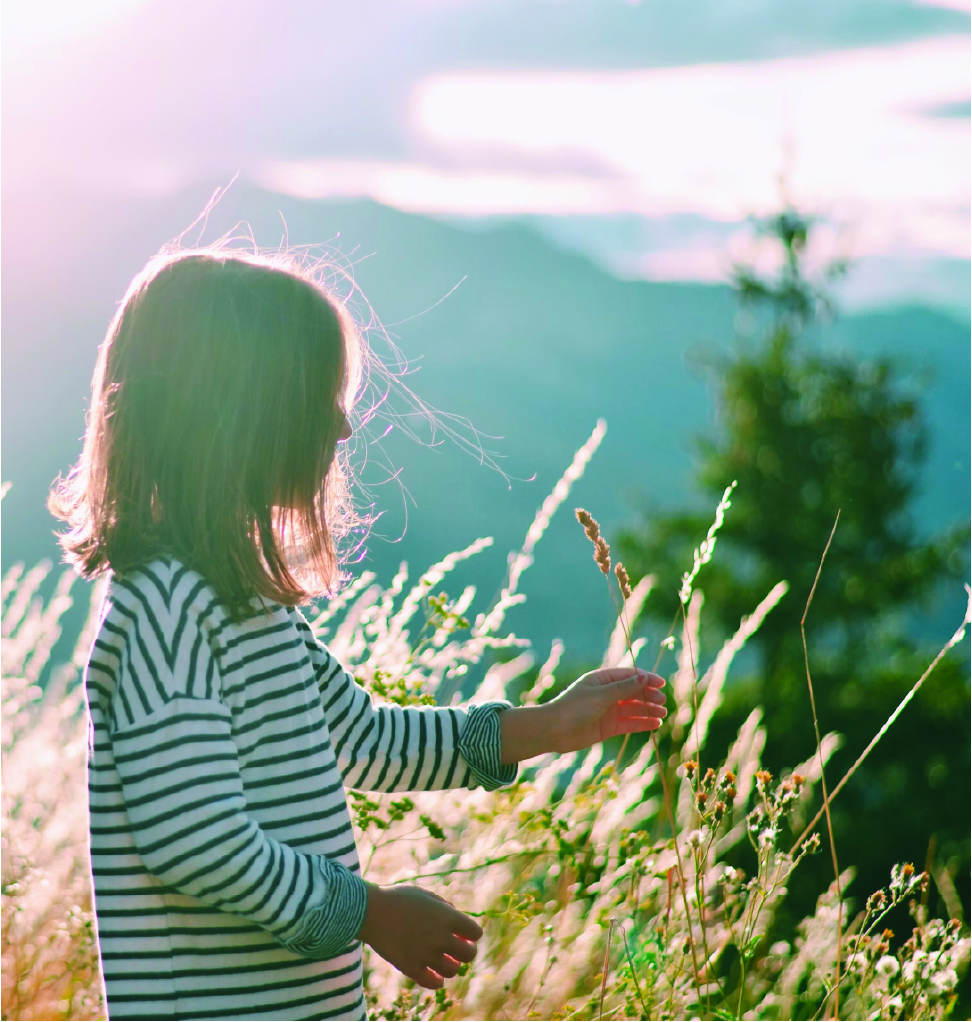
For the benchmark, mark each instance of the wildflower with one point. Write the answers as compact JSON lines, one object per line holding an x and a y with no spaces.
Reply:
{"x":728,"y":779}
{"x":887,"y":967}
{"x":718,"y":811}
{"x":798,"y":780}
{"x":767,"y":838}
{"x":856,"y":963}
{"x":690,"y":767}
{"x":727,"y":876}
{"x":812,"y":844}
{"x":943,"y":982}
{"x":731,"y":791}
{"x":876,"y":902}
{"x":700,"y":798}
{"x":709,"y":777}
{"x":904,"y":881}
{"x":763,"y":777}
{"x":623,"y":581}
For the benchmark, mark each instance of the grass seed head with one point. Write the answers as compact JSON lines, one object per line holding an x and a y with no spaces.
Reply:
{"x":602,"y":555}
{"x":623,"y":581}
{"x":587,"y":520}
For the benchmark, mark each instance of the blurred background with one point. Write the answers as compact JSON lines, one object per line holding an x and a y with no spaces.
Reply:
{"x":545,"y":204}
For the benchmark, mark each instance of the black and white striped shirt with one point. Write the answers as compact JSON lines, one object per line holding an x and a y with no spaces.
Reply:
{"x":227,"y":884}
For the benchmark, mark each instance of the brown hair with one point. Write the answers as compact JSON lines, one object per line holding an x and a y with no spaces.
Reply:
{"x":217,"y":404}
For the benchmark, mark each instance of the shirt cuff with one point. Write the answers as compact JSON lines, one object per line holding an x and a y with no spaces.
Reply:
{"x":331,"y":927}
{"x":480,"y":745}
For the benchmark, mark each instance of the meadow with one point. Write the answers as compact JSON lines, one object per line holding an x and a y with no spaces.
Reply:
{"x":600,"y":878}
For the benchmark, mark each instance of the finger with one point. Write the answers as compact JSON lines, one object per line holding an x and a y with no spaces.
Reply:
{"x":634,"y":687}
{"x":654,"y":696}
{"x":629,"y":711}
{"x":609,"y":675}
{"x":428,"y":978}
{"x":637,"y":725}
{"x":462,"y":926}
{"x":461,"y":950}
{"x":446,"y":966}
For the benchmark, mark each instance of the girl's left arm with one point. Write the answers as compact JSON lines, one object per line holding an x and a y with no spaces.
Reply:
{"x":394,"y":748}
{"x":386,"y":747}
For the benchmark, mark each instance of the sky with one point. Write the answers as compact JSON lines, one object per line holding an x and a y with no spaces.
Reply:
{"x":643,"y":134}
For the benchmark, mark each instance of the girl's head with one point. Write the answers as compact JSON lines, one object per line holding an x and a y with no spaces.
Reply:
{"x":219,"y":399}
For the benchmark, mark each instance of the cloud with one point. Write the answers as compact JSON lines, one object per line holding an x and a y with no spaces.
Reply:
{"x":849,"y":130}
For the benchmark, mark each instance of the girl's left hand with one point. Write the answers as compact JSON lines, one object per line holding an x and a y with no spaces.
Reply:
{"x":607,"y":702}
{"x":599,"y":705}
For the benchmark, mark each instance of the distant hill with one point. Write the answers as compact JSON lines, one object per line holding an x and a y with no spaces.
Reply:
{"x":533,"y":346}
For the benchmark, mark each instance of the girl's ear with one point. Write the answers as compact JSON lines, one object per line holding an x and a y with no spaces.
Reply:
{"x":345,"y":433}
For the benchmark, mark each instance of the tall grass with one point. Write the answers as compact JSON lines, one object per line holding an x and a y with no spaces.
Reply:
{"x":591,"y":907}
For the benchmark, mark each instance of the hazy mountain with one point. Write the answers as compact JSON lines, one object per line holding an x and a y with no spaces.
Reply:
{"x":533,"y":346}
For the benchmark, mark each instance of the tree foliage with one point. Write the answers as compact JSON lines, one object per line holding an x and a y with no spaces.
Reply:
{"x":808,"y":434}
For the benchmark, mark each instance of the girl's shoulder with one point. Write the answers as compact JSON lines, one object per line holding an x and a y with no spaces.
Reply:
{"x":175,"y":597}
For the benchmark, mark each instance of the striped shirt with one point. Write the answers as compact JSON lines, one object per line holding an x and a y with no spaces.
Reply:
{"x":227,"y":885}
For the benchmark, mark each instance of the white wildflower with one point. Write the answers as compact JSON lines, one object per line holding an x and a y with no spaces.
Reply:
{"x":767,"y":838}
{"x":943,"y":981}
{"x":887,"y":966}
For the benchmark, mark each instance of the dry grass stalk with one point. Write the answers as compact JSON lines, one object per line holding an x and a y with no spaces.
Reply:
{"x":823,"y":779}
{"x":602,"y":557}
{"x":953,"y":641}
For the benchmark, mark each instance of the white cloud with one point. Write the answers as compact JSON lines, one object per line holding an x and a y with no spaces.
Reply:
{"x":850,"y":130}
{"x":712,"y":139}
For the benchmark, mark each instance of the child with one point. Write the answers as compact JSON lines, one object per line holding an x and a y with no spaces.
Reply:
{"x":212,"y":487}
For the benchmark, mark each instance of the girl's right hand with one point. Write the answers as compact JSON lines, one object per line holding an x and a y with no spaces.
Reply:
{"x":421,"y":934}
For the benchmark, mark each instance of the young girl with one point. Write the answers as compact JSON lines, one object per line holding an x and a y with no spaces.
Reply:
{"x":212,"y":489}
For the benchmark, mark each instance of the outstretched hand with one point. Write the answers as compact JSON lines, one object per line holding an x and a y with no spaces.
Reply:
{"x":608,"y":702}
{"x":599,"y":705}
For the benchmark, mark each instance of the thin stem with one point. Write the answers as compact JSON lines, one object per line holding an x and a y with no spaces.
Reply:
{"x":634,"y":975}
{"x":823,"y":779}
{"x":678,"y":859}
{"x":604,"y":971}
{"x":472,"y":869}
{"x":957,"y":637}
{"x":695,"y":787}
{"x":667,"y":801}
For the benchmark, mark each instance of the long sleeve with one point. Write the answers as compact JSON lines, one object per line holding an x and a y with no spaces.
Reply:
{"x":393,"y":748}
{"x":174,"y":750}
